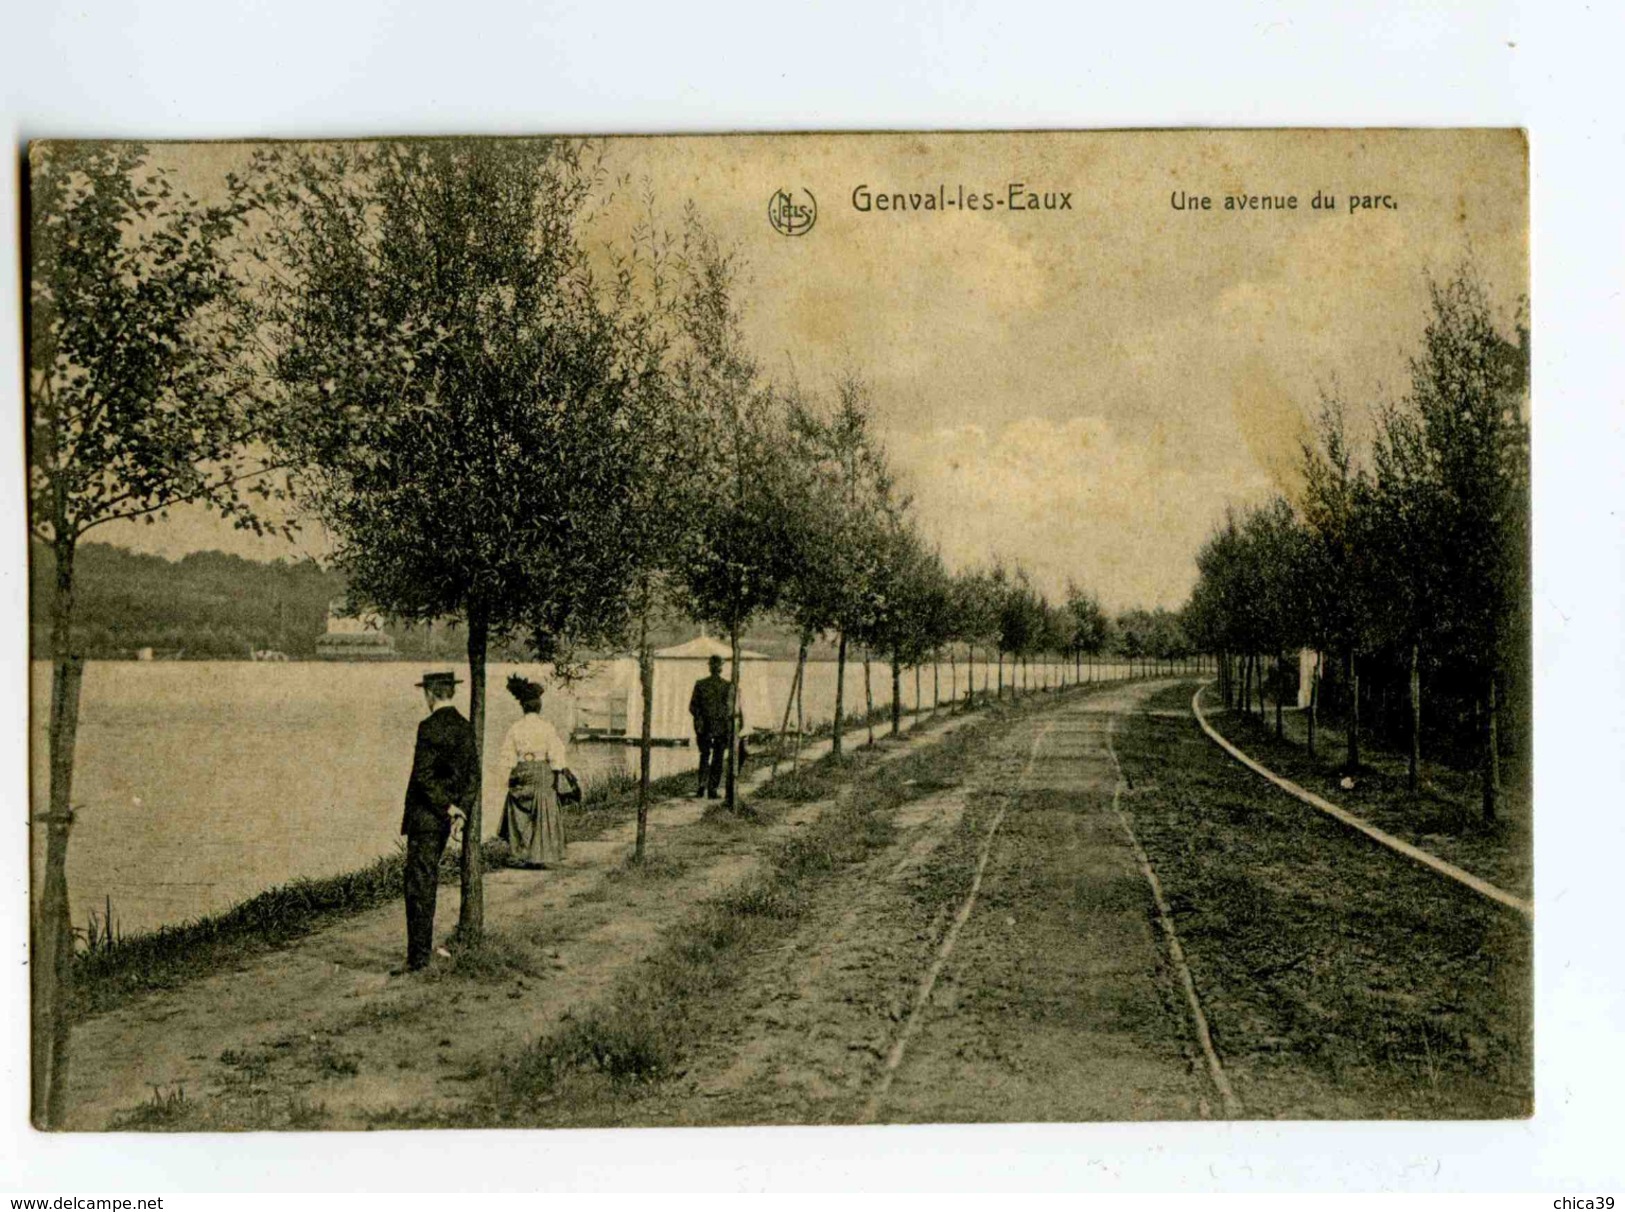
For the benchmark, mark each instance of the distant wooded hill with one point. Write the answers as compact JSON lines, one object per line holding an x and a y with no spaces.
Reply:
{"x":210,"y":605}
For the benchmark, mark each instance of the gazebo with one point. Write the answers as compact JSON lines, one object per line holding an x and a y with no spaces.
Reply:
{"x":614,"y":713}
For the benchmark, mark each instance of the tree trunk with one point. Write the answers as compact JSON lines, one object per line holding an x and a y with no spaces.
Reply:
{"x":1280,"y":689}
{"x":1246,"y":703}
{"x":1413,"y":770}
{"x":1354,"y":714}
{"x":936,"y":683}
{"x":471,"y":912}
{"x":1314,"y":702}
{"x":868,"y":697}
{"x":917,"y":706}
{"x":51,"y":951}
{"x":838,"y":731}
{"x":953,"y":680}
{"x":1492,"y":752}
{"x":896,"y":696}
{"x":1000,"y":697}
{"x":646,"y":684}
{"x":731,"y":765}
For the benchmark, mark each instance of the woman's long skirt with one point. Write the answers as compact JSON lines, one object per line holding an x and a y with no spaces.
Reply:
{"x":532,"y":824}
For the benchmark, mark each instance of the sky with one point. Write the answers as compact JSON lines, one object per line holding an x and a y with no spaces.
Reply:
{"x":1081,"y":390}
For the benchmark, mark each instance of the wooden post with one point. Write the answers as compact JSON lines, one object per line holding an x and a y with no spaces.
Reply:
{"x":1414,"y":766}
{"x":1353,"y":757}
{"x":1280,"y":687}
{"x":471,"y":912}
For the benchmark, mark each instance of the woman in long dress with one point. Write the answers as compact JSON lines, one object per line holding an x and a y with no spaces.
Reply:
{"x":533,"y":751}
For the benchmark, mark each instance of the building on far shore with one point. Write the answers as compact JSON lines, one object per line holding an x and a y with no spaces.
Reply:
{"x":351,"y":637}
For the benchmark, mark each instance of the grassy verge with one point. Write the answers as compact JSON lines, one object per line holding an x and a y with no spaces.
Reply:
{"x":1339,"y":980}
{"x":1442,"y":816}
{"x":108,"y":975}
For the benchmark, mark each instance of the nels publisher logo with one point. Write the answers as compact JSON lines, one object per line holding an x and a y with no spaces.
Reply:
{"x":792,"y":212}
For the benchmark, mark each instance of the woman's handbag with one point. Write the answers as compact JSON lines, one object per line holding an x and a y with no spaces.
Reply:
{"x":570,"y":792}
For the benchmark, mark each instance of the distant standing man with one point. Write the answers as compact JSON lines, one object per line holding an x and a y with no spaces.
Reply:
{"x":444,"y":769}
{"x":708,"y":707}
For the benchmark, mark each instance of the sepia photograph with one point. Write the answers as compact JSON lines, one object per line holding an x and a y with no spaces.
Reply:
{"x":779,"y":629}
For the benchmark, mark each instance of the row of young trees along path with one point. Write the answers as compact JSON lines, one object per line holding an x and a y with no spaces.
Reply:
{"x":418,"y":345}
{"x":1403,"y":563}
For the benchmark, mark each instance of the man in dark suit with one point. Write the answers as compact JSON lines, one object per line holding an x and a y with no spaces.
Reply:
{"x":444,"y":774}
{"x":708,"y":708}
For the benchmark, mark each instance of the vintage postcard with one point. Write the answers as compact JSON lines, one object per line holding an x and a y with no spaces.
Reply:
{"x":780,"y":629}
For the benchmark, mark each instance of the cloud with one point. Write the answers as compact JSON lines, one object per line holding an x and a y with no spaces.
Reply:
{"x":1069,"y":499}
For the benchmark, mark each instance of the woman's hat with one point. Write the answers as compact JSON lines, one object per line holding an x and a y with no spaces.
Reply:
{"x":439,"y":681}
{"x":523,"y":689}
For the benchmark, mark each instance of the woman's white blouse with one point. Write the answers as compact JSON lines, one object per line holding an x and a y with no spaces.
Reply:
{"x":533,"y":738}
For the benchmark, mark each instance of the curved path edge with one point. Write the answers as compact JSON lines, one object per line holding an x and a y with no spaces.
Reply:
{"x":1449,"y":870}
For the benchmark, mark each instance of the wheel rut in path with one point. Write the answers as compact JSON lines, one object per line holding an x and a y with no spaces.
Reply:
{"x":1054,"y":999}
{"x":913,"y":993}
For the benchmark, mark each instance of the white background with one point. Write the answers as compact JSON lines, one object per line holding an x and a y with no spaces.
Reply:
{"x":340,"y":67}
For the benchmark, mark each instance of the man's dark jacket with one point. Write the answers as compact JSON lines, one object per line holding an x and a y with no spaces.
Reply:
{"x":443,"y":772}
{"x":709,"y":706}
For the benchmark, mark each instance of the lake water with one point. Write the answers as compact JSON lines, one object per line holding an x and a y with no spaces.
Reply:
{"x":200,"y":783}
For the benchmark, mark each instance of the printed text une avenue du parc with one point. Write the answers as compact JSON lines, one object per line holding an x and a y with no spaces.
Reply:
{"x":1351,"y":202}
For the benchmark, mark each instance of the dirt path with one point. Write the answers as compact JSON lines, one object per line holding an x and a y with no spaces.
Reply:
{"x":319,"y":1032}
{"x":918,"y":992}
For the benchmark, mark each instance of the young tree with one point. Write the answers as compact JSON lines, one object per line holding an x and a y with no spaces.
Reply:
{"x":1337,"y":558}
{"x":977,"y":611}
{"x":140,"y":399}
{"x":934,"y":624}
{"x":1407,"y":556}
{"x":1088,"y":634}
{"x":1276,"y":550}
{"x":892,"y":618}
{"x":739,"y":549}
{"x":1215,"y":615}
{"x":1470,"y":468}
{"x":851,"y":485}
{"x":646,"y":275}
{"x":484,"y":455}
{"x":1020,"y":619}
